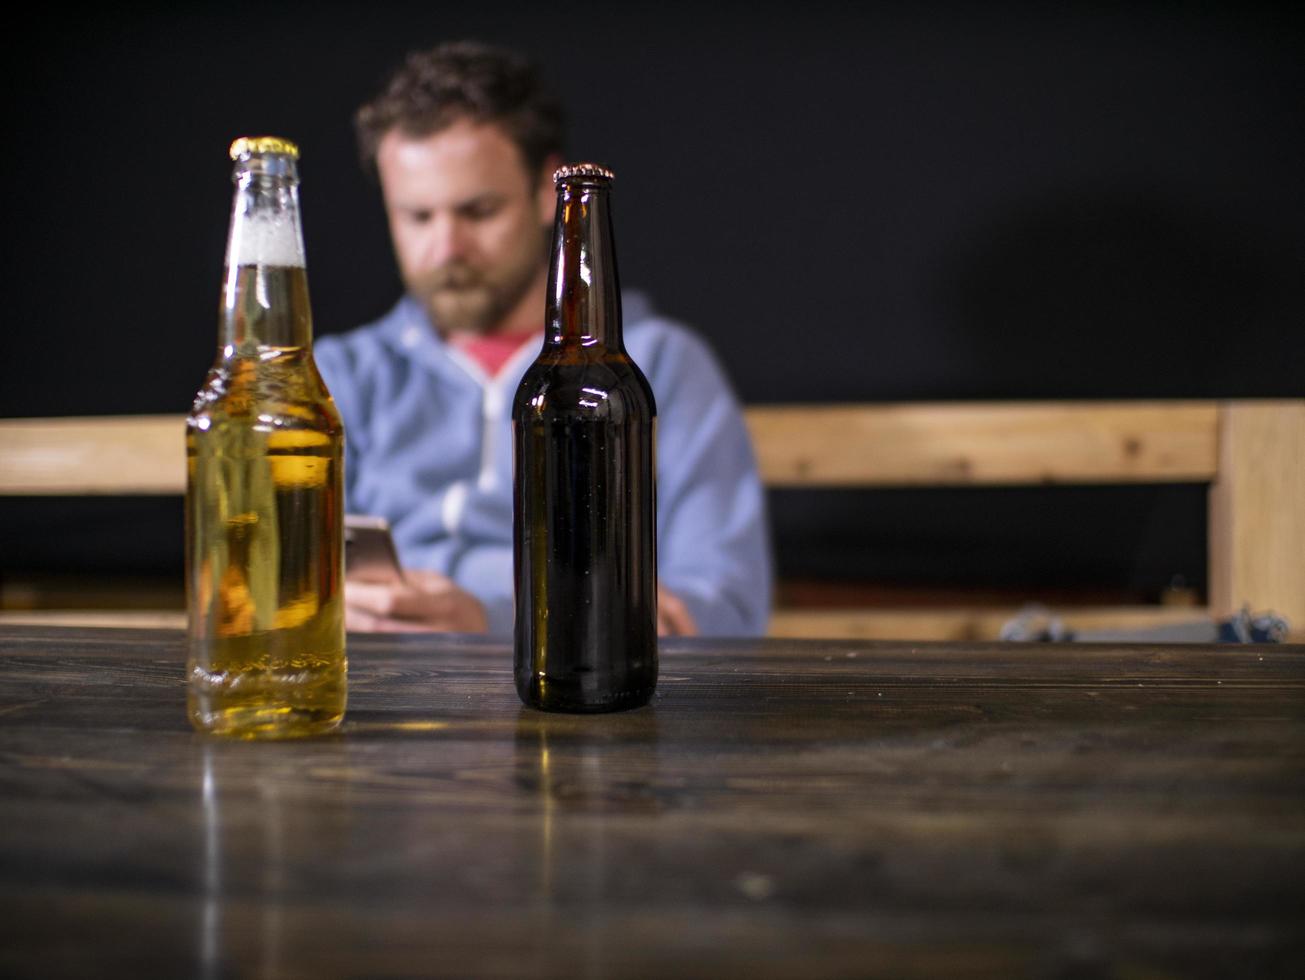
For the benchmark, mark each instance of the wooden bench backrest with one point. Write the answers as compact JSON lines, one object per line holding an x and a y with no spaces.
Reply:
{"x":1251,"y":453}
{"x":986,"y":443}
{"x":74,"y":457}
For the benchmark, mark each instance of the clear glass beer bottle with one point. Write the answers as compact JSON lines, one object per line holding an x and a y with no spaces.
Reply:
{"x":584,"y":492}
{"x":264,"y":498}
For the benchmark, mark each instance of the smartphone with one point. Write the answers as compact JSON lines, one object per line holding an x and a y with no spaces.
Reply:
{"x":369,"y":553}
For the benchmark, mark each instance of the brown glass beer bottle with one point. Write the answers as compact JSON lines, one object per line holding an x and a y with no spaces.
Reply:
{"x":584,"y":492}
{"x":264,"y":498}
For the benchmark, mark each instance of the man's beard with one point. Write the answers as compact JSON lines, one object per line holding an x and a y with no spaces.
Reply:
{"x":461,"y":298}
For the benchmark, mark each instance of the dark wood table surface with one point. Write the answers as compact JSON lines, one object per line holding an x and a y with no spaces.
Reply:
{"x":782,"y":809}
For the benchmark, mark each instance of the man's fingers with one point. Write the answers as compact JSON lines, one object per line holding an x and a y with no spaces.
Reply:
{"x":417,"y":604}
{"x":673,"y":616}
{"x":424,"y":580}
{"x":369,"y":597}
{"x":428,"y":601}
{"x":357,"y":621}
{"x":426,"y":592}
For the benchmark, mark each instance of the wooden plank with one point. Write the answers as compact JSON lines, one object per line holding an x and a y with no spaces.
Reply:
{"x":782,"y":809}
{"x":815,"y":445}
{"x":103,"y":618}
{"x":1257,"y":511}
{"x":143,"y":454}
{"x":959,"y":624}
{"x":948,"y":624}
{"x":940,"y":625}
{"x":985,"y":443}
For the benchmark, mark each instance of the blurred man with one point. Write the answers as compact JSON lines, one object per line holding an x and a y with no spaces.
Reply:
{"x":464,"y":140}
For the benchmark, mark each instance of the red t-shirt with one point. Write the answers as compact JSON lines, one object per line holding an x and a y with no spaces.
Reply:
{"x":491,"y":351}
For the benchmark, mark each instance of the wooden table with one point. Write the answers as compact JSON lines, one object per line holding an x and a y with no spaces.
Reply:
{"x":783,"y":809}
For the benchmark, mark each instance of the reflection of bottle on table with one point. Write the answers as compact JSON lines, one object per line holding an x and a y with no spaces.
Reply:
{"x":585,"y":508}
{"x":264,"y":501}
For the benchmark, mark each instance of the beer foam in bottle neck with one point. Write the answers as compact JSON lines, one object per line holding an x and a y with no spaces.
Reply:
{"x":266,"y":239}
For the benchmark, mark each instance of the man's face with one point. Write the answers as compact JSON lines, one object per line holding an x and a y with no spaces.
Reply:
{"x":469,"y":223}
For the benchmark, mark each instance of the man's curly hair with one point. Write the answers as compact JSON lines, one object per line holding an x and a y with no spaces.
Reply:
{"x":465,"y":80}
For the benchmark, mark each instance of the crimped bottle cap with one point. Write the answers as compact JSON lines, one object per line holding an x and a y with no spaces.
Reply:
{"x":582,"y":170}
{"x":249,"y":145}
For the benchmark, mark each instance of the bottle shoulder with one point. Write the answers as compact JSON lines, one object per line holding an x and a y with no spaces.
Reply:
{"x":604,"y":385}
{"x":279,"y":393}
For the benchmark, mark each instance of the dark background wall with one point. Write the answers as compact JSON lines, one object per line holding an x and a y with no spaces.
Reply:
{"x":886,"y":202}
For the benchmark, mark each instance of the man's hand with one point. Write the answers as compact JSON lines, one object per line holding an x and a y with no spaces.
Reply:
{"x":673,"y":616}
{"x":427,"y":601}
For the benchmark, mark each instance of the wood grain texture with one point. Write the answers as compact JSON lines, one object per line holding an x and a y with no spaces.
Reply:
{"x":143,"y":454}
{"x":960,"y":623}
{"x":797,"y":445}
{"x":942,"y":623}
{"x":109,"y":618}
{"x":784,"y":808}
{"x":985,"y":443}
{"x":1257,"y":511}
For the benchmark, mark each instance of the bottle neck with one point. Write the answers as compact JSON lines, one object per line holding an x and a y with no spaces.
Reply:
{"x":265,"y":293}
{"x":584,"y":294}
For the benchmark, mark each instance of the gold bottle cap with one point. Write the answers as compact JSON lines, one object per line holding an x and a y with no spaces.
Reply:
{"x":582,"y":170}
{"x":248,"y":145}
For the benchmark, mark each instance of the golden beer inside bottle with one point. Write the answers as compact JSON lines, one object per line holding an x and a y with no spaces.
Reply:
{"x":265,"y":563}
